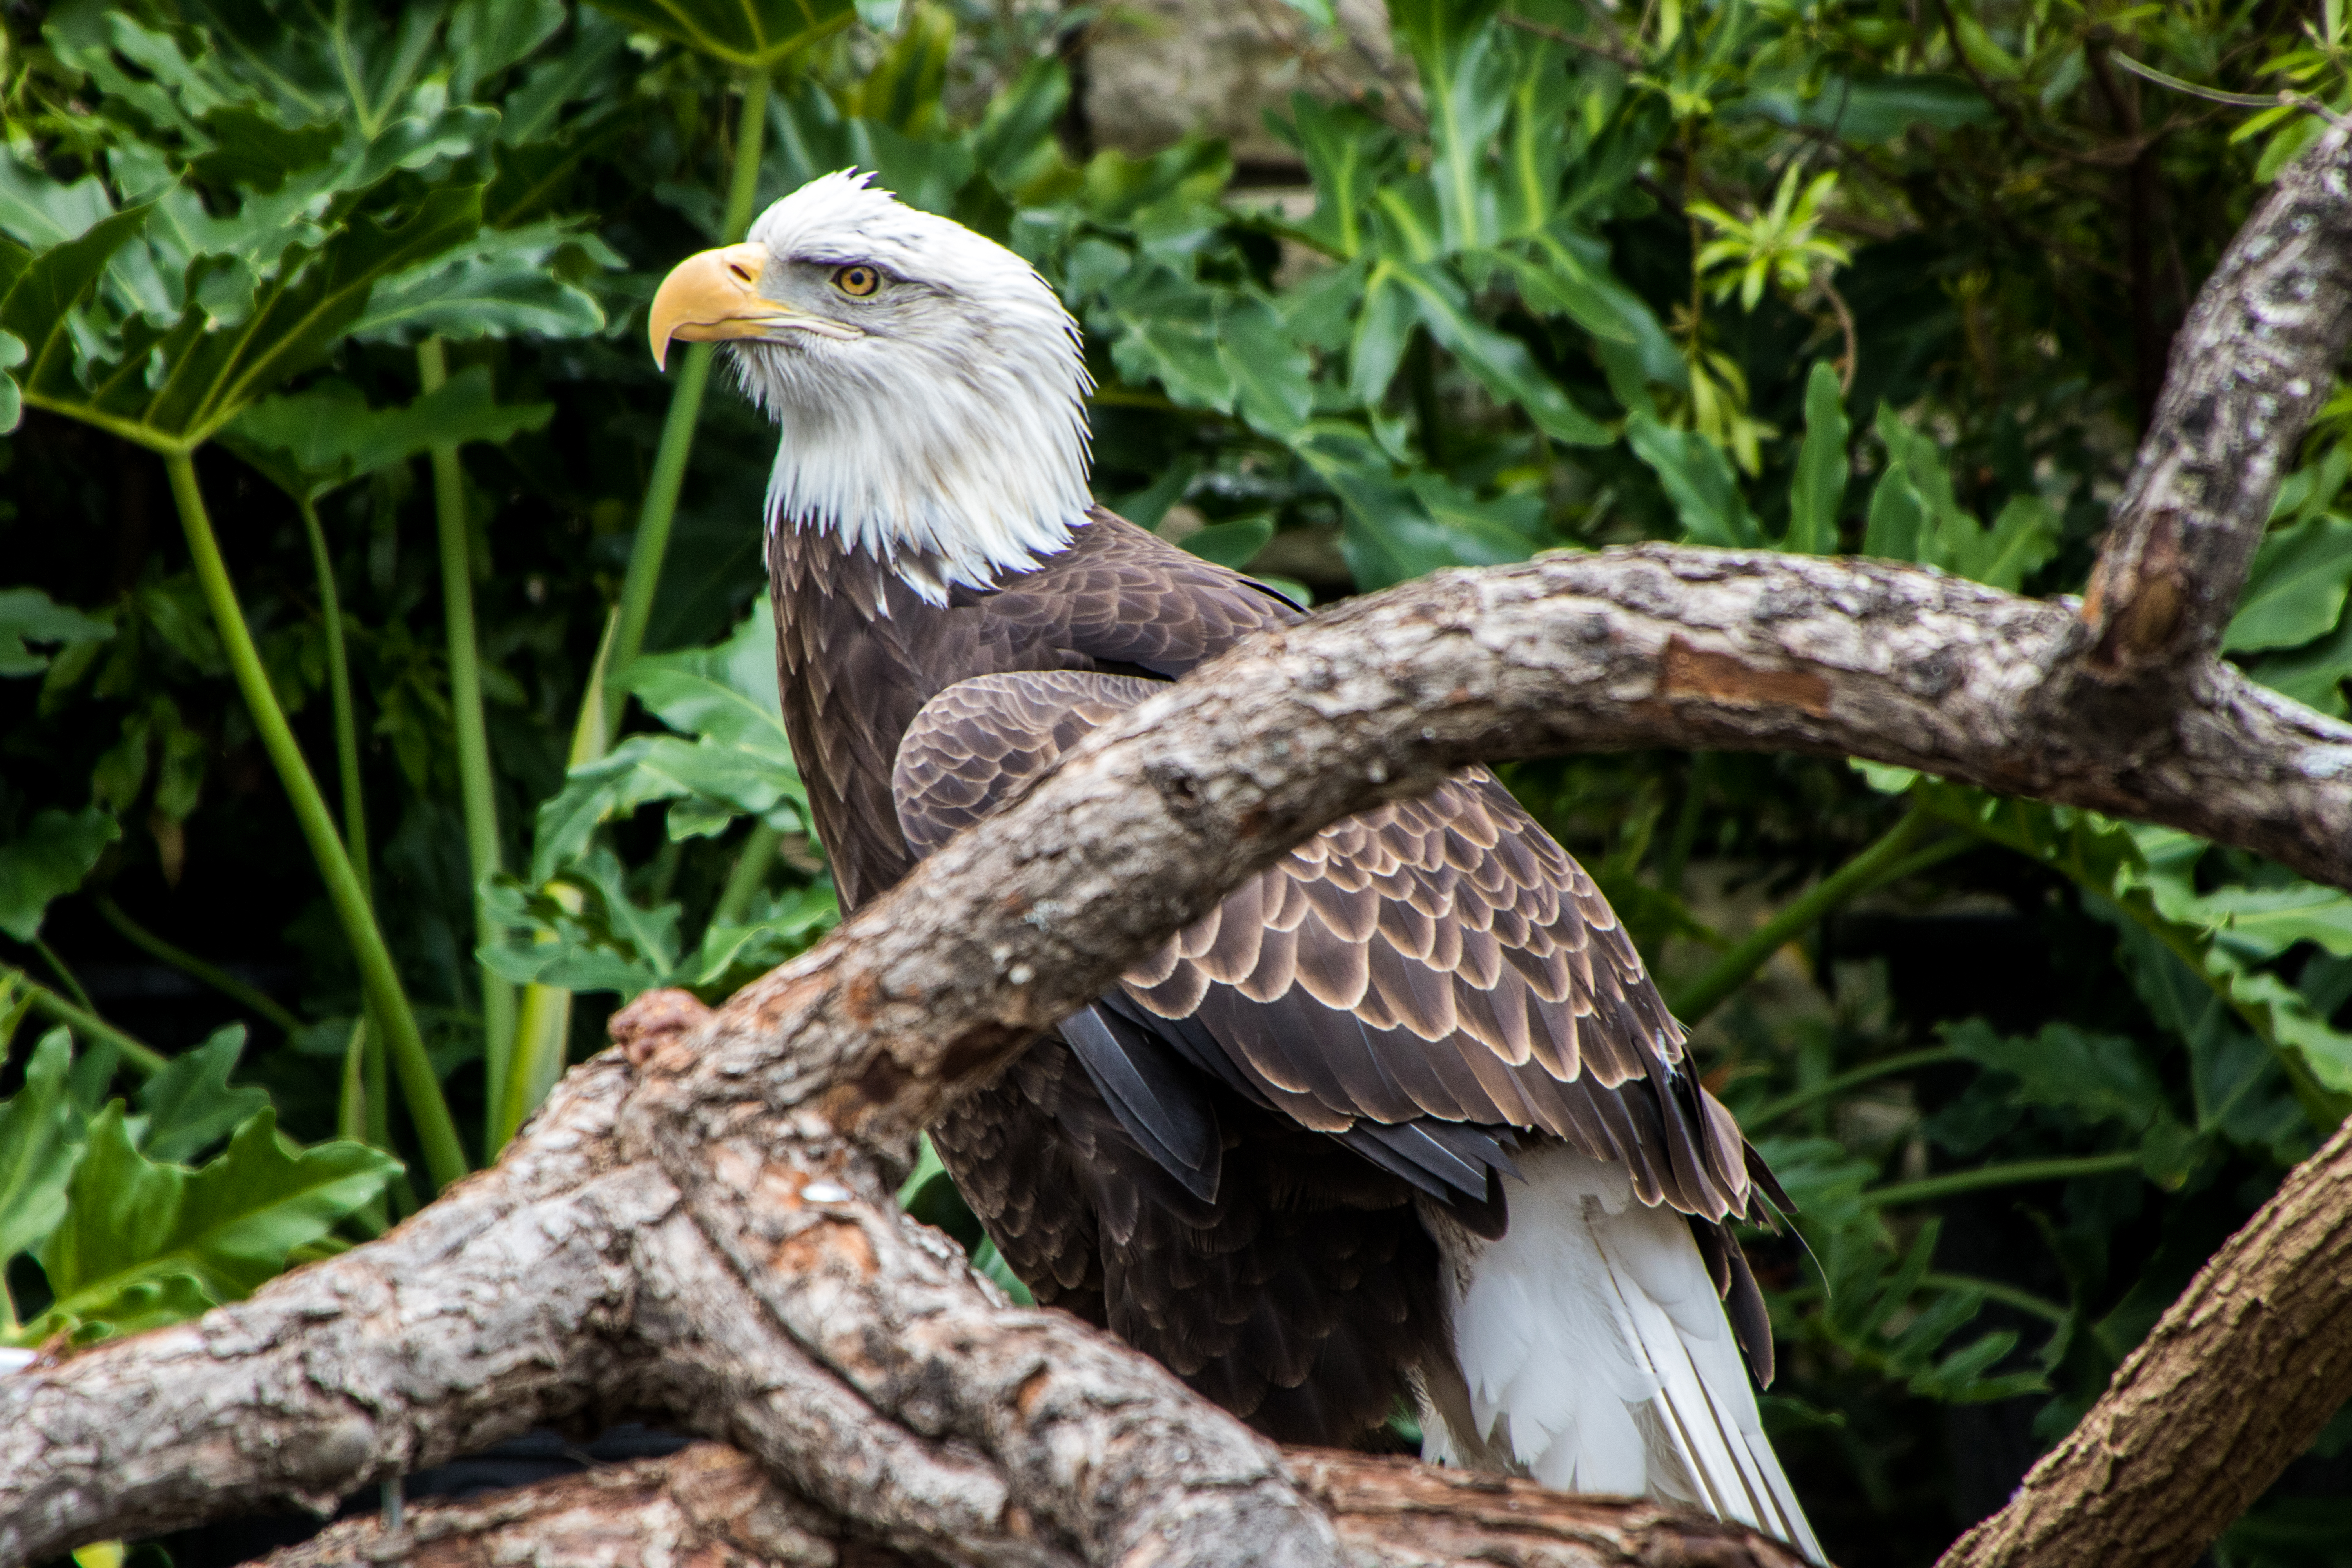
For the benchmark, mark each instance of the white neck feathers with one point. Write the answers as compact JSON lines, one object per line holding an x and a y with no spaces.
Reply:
{"x":949,"y":438}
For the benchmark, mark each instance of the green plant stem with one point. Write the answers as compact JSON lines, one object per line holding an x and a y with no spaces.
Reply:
{"x":1993,"y":1291}
{"x":2020,"y":1173}
{"x":339,"y":694}
{"x":65,"y":975}
{"x":352,"y":1119}
{"x":142,"y":1057}
{"x":480,"y":803}
{"x":1881,"y":863}
{"x":660,"y":508}
{"x":251,"y":998}
{"x":543,"y":1023}
{"x":379,"y":981}
{"x":753,"y":864}
{"x":1773,"y":1109}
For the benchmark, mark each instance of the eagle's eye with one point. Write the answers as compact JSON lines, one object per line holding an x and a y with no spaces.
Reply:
{"x":857,"y":281}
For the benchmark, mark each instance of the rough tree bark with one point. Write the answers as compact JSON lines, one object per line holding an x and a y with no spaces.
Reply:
{"x":698,"y":1226}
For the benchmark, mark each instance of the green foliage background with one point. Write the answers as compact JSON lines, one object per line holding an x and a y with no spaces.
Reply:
{"x":366,"y":591}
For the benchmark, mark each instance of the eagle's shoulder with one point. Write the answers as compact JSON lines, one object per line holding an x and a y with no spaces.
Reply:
{"x":1124,"y":599}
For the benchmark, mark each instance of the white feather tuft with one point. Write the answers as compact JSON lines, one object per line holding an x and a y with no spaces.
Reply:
{"x":949,"y":436}
{"x":1596,"y":1356}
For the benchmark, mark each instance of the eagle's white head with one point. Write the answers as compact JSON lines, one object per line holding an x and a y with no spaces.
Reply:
{"x":930,"y":388}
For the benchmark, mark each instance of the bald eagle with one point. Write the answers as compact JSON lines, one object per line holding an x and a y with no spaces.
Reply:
{"x":1404,"y":1117}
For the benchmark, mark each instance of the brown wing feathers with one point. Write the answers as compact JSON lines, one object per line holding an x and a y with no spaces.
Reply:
{"x":1428,"y":963}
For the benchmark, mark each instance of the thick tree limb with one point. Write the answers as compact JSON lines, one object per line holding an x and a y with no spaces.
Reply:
{"x":709,"y":1238}
{"x":2160,"y":1465}
{"x":710,"y":1505}
{"x":2250,"y":366}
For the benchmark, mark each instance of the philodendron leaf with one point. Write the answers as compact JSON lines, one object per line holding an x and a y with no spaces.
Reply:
{"x":2296,"y":589}
{"x":56,"y":852}
{"x":189,"y":1106}
{"x":40,"y":1134}
{"x":44,"y":294}
{"x":749,"y":35}
{"x":1699,"y":480}
{"x":28,"y":616}
{"x":1817,"y":493}
{"x":502,"y":284}
{"x":326,"y":436}
{"x":175,"y":386}
{"x":134,"y":1225}
{"x":727,"y":692}
{"x":1500,"y":362}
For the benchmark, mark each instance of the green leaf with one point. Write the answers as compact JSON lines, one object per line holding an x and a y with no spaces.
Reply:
{"x":1697,"y":477}
{"x":2019,"y":541}
{"x":486,"y":36}
{"x":727,"y":692}
{"x":58,"y":850}
{"x":1863,"y":109}
{"x":1169,"y":335}
{"x":1270,"y":372}
{"x":1500,"y":362}
{"x":51,"y":285}
{"x":2263,"y":922}
{"x":1234,"y":544}
{"x":503,"y":283}
{"x":1817,"y":493}
{"x":2100,"y":1078}
{"x":189,"y":1106}
{"x":2296,"y":587}
{"x":749,"y":35}
{"x":29,"y":615}
{"x":172,"y":387}
{"x":1915,"y":516}
{"x":777,"y":929}
{"x":324,"y":436}
{"x":1465,"y":80}
{"x":132,"y":1223}
{"x":40,"y":1137}
{"x":1897,"y":523}
{"x":1556,"y":279}
{"x":1383,"y":323}
{"x":1347,"y":152}
{"x":1390,"y":535}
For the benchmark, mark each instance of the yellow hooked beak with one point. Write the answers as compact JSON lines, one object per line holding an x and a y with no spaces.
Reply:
{"x":715,"y":296}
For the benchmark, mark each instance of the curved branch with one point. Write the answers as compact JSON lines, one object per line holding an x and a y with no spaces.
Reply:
{"x":2254,"y":361}
{"x":710,"y":1505}
{"x":2160,"y":1465}
{"x":719,"y":1220}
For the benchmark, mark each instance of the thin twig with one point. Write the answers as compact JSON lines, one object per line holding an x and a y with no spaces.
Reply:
{"x":1623,"y":59}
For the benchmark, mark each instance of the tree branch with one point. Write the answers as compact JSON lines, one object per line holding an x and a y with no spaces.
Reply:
{"x":2161,"y":1465}
{"x":2254,"y":359}
{"x":709,"y":1238}
{"x":712,"y":1506}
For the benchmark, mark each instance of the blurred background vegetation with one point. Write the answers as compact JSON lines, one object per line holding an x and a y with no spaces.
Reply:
{"x":386,"y":692}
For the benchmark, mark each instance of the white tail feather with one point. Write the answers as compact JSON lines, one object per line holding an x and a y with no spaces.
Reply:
{"x":1596,"y":1356}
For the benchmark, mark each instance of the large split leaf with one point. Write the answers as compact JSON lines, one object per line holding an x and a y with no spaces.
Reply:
{"x":190,"y":1106}
{"x":40,"y":1137}
{"x":57,"y":850}
{"x":142,"y":1241}
{"x":28,"y":615}
{"x":326,"y":436}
